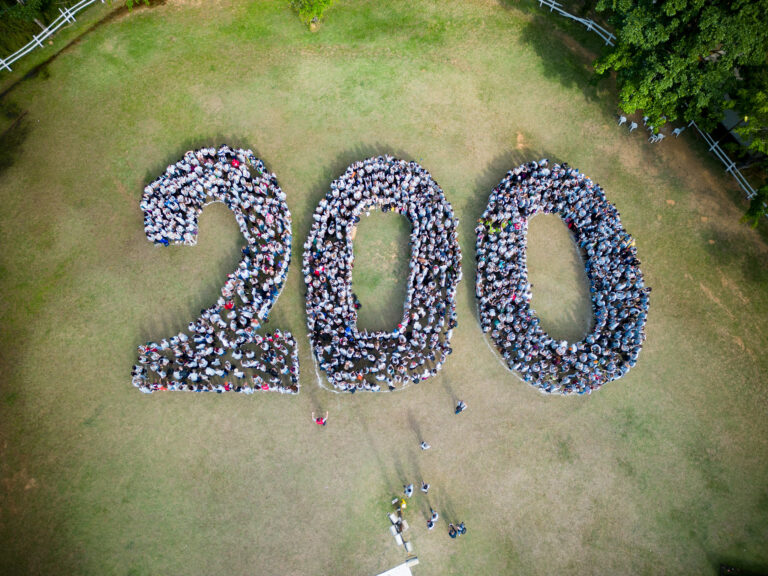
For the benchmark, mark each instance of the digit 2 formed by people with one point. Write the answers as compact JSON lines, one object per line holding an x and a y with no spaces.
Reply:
{"x":222,"y":351}
{"x":619,"y":295}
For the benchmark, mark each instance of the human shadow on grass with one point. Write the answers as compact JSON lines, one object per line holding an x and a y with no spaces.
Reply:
{"x":392,"y":482}
{"x":444,"y":381}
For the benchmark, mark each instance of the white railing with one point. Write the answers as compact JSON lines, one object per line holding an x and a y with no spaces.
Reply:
{"x":730,"y":165}
{"x":591,"y":25}
{"x":67,"y":17}
{"x":714,"y":146}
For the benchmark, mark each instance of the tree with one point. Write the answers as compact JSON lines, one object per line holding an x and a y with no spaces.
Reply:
{"x":690,"y":60}
{"x":752,"y":100}
{"x":19,"y":20}
{"x":311,"y":10}
{"x":758,"y":207}
{"x":679,"y":59}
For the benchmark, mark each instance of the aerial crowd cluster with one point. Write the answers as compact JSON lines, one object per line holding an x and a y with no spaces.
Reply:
{"x":618,"y":293}
{"x":221,"y":350}
{"x":418,"y":346}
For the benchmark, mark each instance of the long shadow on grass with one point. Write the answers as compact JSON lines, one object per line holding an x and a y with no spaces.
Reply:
{"x":385,"y":471}
{"x":13,"y":137}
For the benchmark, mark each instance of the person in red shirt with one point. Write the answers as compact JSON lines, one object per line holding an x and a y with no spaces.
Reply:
{"x":320,"y":421}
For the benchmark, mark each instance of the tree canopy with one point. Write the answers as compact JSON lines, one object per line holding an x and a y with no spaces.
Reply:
{"x":683,"y":60}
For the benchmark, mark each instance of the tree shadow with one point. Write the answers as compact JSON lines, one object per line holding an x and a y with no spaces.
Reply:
{"x":568,"y":48}
{"x":726,"y":247}
{"x":12,"y":138}
{"x":730,"y":566}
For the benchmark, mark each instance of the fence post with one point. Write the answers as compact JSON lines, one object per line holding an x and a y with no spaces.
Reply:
{"x":67,"y":16}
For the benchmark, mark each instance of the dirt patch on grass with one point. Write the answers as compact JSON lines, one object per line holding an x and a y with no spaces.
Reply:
{"x":732,"y":286}
{"x":711,"y":297}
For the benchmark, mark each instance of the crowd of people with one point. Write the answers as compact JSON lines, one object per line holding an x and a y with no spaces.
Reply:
{"x":618,"y":293}
{"x":358,"y":360}
{"x":221,"y":351}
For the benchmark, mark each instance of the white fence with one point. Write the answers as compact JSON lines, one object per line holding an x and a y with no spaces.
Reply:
{"x":67,"y":17}
{"x":714,"y":146}
{"x":591,"y":25}
{"x":730,"y":165}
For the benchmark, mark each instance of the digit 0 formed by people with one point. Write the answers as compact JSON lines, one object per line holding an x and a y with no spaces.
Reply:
{"x":359,"y":360}
{"x":619,"y":295}
{"x":221,"y":350}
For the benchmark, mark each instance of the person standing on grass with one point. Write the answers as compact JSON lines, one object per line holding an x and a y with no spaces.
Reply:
{"x":460,"y":407}
{"x":320,"y":421}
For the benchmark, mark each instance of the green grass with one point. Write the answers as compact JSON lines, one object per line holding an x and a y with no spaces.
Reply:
{"x":661,"y":472}
{"x":380,"y":274}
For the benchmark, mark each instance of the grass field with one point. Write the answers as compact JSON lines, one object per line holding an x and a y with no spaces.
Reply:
{"x":662,"y":472}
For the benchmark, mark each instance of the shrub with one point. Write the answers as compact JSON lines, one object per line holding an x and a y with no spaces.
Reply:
{"x":311,"y":10}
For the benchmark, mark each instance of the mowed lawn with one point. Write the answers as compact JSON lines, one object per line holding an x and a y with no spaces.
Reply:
{"x":662,"y":472}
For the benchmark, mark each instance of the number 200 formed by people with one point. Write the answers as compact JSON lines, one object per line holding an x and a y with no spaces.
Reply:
{"x":222,"y":351}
